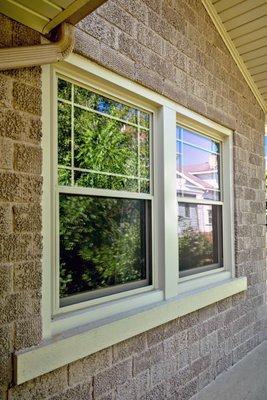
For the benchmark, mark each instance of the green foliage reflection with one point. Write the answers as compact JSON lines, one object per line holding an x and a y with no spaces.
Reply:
{"x":195,"y":249}
{"x":102,"y":242}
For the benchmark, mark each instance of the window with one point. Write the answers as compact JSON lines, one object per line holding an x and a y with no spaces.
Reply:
{"x":199,"y":194}
{"x":137,"y":199}
{"x":103,"y":195}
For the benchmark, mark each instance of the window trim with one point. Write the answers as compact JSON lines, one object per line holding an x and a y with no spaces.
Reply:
{"x":130,"y":288}
{"x":164,"y":246}
{"x":107,"y":90}
{"x":226,"y":201}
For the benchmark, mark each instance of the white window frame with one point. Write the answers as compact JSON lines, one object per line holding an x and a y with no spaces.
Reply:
{"x":166,"y":283}
{"x":226,"y":200}
{"x":96,"y":327}
{"x":94,"y":85}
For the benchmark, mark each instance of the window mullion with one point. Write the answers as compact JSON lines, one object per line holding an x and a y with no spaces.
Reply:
{"x":168,"y":124}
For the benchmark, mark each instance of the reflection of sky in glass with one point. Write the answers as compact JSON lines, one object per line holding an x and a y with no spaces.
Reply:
{"x":199,"y":165}
{"x":197,"y":140}
{"x":193,"y":157}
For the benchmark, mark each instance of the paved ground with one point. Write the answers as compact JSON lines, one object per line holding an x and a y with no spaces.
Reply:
{"x":247,"y":380}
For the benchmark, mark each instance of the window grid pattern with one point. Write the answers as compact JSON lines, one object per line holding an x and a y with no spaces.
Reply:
{"x":199,"y":191}
{"x":95,"y":264}
{"x":215,"y":150}
{"x":143,"y":184}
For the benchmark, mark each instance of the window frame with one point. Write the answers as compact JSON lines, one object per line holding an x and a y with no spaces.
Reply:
{"x":166,"y":115}
{"x":107,"y":91}
{"x":187,"y":200}
{"x":226,"y":200}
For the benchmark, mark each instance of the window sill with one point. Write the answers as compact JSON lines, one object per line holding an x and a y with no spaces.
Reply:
{"x":79,"y":343}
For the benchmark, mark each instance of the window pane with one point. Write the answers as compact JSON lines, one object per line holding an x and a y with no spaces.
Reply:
{"x":144,"y":119}
{"x":197,"y":140}
{"x":64,"y":177}
{"x":64,"y":89}
{"x":200,"y":237}
{"x":64,"y":134}
{"x":104,"y":144}
{"x":104,"y":105}
{"x":103,"y":243}
{"x":101,"y":181}
{"x":144,"y":154}
{"x":198,"y":173}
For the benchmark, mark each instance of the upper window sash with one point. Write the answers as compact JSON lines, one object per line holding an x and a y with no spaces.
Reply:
{"x":114,"y":162}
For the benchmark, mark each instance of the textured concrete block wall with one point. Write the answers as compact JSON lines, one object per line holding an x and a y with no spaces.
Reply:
{"x":20,"y":197}
{"x":171,"y":47}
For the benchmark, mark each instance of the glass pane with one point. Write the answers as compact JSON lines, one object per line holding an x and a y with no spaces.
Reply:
{"x":104,"y":105}
{"x":144,"y":154}
{"x":198,"y":174}
{"x":178,"y":147}
{"x":103,"y":243}
{"x":144,"y":119}
{"x":64,"y":89}
{"x":104,"y":144}
{"x":200,"y":237}
{"x":64,"y":134}
{"x":64,"y":177}
{"x":101,"y":181}
{"x":144,"y":186}
{"x":197,"y":139}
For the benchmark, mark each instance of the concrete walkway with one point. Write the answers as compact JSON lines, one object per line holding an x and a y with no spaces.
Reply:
{"x":247,"y":380}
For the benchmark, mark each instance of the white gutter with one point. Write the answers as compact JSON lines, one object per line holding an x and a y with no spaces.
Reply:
{"x":27,"y":56}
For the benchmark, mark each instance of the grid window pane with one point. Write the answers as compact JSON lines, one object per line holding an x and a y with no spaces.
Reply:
{"x":64,"y":134}
{"x":102,"y":137}
{"x":200,"y":237}
{"x":197,"y":140}
{"x":104,"y":242}
{"x":197,"y":166}
{"x":99,"y":181}
{"x":95,"y":101}
{"x":64,"y":89}
{"x":104,"y":144}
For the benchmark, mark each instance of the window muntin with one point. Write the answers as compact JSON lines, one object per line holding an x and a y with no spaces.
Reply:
{"x":198,"y":182}
{"x":103,"y":144}
{"x":197,"y":165}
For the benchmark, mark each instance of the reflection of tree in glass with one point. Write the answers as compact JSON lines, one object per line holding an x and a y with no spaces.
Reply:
{"x":195,"y":249}
{"x":104,"y":144}
{"x":97,"y":102}
{"x":101,"y":242}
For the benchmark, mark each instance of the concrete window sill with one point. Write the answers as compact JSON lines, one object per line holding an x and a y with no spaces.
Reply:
{"x":76,"y":344}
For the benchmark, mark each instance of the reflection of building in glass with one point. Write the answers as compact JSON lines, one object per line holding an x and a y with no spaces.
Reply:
{"x":198,"y":181}
{"x":195,"y":216}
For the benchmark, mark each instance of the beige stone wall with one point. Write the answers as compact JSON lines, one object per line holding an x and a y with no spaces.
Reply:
{"x":20,"y":197}
{"x":172,"y":47}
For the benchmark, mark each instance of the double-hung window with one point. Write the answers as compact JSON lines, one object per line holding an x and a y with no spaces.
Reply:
{"x":103,"y":195}
{"x":199,"y":196}
{"x":137,"y":203}
{"x":137,"y":213}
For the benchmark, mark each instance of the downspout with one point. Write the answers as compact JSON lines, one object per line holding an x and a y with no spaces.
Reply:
{"x":27,"y":56}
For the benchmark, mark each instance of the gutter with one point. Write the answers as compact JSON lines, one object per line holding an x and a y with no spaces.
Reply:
{"x":28,"y":56}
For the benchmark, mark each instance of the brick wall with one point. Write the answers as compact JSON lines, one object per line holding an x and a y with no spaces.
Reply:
{"x":171,"y":47}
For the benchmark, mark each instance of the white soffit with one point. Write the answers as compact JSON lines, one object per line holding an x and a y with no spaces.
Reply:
{"x":44,"y":15}
{"x":243,"y":27}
